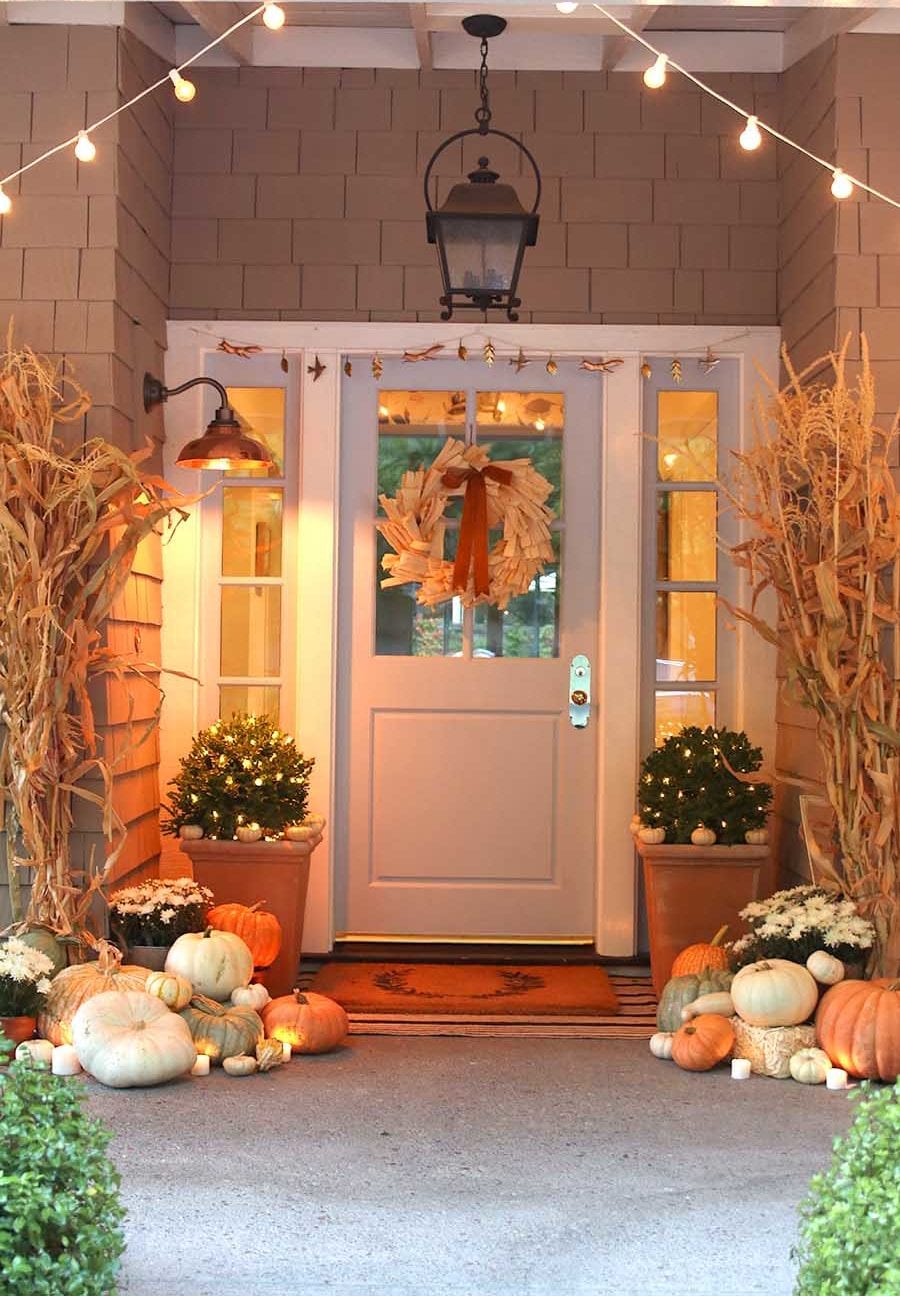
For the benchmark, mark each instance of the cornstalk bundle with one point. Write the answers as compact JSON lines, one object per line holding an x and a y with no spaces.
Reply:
{"x":71,"y":520}
{"x":819,"y":494}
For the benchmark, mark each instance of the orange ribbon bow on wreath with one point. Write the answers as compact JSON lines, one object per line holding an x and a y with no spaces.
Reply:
{"x":472,"y":550}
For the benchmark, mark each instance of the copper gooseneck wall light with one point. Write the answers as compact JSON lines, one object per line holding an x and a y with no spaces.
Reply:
{"x":224,"y":444}
{"x":482,"y":230}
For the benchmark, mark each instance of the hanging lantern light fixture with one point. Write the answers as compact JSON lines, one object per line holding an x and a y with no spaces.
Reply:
{"x":482,"y":230}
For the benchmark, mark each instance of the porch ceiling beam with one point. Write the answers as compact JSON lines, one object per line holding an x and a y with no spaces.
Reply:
{"x":614,"y":47}
{"x":418,"y":18}
{"x":215,"y":18}
{"x":817,"y":26}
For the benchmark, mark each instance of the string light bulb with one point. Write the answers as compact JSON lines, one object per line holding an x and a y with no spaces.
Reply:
{"x":85,"y":149}
{"x":751,"y":136}
{"x":184,"y":89}
{"x":273,"y":17}
{"x":567,"y":6}
{"x":841,"y":184}
{"x":655,"y":76}
{"x":5,"y":202}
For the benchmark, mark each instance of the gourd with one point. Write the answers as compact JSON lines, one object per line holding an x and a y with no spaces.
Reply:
{"x":661,"y":1044}
{"x":254,"y":996}
{"x":222,"y":1030}
{"x":858,"y":1026}
{"x":701,"y":1044}
{"x":269,"y":1054}
{"x":261,"y":932}
{"x":810,"y":1065}
{"x":46,"y":941}
{"x":680,"y":991}
{"x":171,"y":988}
{"x":125,"y":1038}
{"x":756,"y":836}
{"x":706,"y":954}
{"x":240,"y":1065}
{"x":310,"y":1023}
{"x":719,"y":1001}
{"x":651,"y":836}
{"x":826,"y":969}
{"x":73,"y":986}
{"x":703,"y":836}
{"x":774,"y":992}
{"x":215,"y":962}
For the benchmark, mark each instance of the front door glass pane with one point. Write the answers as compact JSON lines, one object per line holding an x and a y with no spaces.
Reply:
{"x":519,"y":425}
{"x":687,"y":435}
{"x":685,"y":635}
{"x":260,"y":411}
{"x":251,"y":530}
{"x":251,"y":630}
{"x":529,"y":626}
{"x":412,"y":427}
{"x":405,"y":628}
{"x":686,"y":547}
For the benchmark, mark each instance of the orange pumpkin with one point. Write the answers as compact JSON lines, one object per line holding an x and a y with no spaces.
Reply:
{"x":696,"y":958}
{"x":310,"y":1023}
{"x":858,"y":1026}
{"x":73,"y":986}
{"x":260,"y":931}
{"x":703,"y":1042}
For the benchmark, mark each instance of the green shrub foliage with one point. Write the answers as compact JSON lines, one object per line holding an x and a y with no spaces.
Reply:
{"x":60,"y":1217}
{"x":850,"y":1221}
{"x":240,"y":771}
{"x":686,"y":783}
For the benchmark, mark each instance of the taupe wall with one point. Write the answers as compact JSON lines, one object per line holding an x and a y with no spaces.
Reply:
{"x":298,"y":195}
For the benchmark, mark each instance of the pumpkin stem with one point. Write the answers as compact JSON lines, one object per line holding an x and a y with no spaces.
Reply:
{"x":299,"y":996}
{"x":208,"y":933}
{"x":716,"y":940}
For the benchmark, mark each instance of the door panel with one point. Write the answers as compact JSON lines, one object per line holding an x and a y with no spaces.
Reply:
{"x":470,"y":800}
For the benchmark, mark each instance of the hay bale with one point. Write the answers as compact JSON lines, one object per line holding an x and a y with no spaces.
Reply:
{"x":769,"y":1049}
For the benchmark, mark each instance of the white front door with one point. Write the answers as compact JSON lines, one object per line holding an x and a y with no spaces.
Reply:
{"x":469,"y":798}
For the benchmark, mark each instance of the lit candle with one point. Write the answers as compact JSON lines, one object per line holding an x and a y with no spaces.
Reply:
{"x":40,"y":1051}
{"x":740,"y":1068}
{"x":65,"y":1061}
{"x":201,"y":1066}
{"x":286,"y":1051}
{"x":836,"y":1079}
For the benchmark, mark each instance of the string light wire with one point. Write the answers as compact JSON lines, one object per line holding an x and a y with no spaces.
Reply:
{"x":148,"y":90}
{"x":739,"y":111}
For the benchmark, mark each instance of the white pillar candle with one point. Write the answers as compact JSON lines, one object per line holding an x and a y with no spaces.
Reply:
{"x":740,"y":1068}
{"x":65,"y":1061}
{"x":286,"y":1051}
{"x":40,"y":1051}
{"x":201,"y":1066}
{"x":836,"y":1079}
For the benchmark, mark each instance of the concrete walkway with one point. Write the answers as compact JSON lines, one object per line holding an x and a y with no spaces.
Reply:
{"x":443,"y":1167}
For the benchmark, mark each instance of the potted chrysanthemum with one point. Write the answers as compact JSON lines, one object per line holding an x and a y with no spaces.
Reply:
{"x":795,"y":923}
{"x":24,"y":981}
{"x":148,"y":918}
{"x":239,"y":807}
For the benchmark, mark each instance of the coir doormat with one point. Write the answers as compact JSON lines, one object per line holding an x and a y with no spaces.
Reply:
{"x":477,"y":990}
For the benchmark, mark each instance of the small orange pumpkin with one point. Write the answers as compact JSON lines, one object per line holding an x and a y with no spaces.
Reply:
{"x":261,"y":932}
{"x":703,"y":1042}
{"x":696,"y":958}
{"x":310,"y":1023}
{"x":858,"y":1026}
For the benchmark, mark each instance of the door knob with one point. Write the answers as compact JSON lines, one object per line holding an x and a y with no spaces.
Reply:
{"x":579,"y":692}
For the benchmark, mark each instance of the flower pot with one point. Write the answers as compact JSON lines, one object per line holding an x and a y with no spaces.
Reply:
{"x":274,"y":872}
{"x":18,"y":1029}
{"x":148,"y":956}
{"x":691,"y":891}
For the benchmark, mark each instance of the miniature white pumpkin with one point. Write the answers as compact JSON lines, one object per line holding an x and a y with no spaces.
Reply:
{"x":661,"y":1044}
{"x":254,"y":996}
{"x":810,"y":1065}
{"x":215,"y":962}
{"x":652,"y":836}
{"x":635,"y":824}
{"x":756,"y":836}
{"x":774,"y":992}
{"x":125,"y":1038}
{"x":299,"y":832}
{"x":174,"y":990}
{"x":243,"y":1065}
{"x":827,"y":969}
{"x":703,"y":836}
{"x":190,"y":832}
{"x":249,"y":832}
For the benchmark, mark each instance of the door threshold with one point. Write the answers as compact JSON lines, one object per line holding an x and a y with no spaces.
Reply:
{"x":404,"y":939}
{"x":441,"y":950}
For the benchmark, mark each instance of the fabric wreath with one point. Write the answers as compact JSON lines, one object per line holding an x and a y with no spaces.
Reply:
{"x":510,"y":495}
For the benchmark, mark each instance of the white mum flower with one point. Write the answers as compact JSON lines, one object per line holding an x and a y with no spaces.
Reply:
{"x":166,"y":915}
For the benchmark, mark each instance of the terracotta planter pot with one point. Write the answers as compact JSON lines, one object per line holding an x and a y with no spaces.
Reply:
{"x":18,"y":1029}
{"x":148,"y":956}
{"x":274,"y":872}
{"x":691,"y":891}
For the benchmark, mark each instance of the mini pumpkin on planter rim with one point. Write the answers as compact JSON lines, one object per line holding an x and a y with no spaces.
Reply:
{"x":309,"y":1022}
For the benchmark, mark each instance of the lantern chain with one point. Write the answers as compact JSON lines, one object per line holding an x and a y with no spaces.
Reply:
{"x":483,"y":113}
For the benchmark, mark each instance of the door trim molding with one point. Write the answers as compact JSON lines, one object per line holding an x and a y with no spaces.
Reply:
{"x":192,"y":344}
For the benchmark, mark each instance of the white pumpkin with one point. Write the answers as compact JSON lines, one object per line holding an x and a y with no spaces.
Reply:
{"x":215,"y":962}
{"x":652,"y":836}
{"x":827,"y":969}
{"x":125,"y":1038}
{"x":635,"y":824}
{"x":756,"y":836}
{"x":661,"y":1044}
{"x":254,"y":996}
{"x":190,"y":832}
{"x":774,"y":992}
{"x":703,"y":836}
{"x":810,"y":1065}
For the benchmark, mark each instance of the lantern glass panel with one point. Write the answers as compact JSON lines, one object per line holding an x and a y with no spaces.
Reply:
{"x":481,"y":253}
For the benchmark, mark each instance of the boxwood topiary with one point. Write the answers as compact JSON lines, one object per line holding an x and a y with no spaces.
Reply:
{"x":850,"y":1221}
{"x":60,"y":1217}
